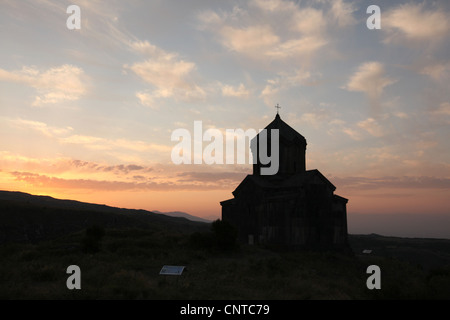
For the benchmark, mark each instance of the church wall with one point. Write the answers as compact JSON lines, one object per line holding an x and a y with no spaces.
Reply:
{"x":302,"y":217}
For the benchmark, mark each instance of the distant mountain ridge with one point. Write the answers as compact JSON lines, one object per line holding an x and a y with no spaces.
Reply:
{"x":182,"y":215}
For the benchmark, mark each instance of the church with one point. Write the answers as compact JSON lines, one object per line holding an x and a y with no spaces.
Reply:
{"x":293,"y":208}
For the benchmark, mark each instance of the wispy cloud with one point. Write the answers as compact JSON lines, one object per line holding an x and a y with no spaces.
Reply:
{"x":211,"y":176}
{"x":443,"y":109}
{"x":441,"y":114}
{"x":170,"y":75}
{"x":55,"y":85}
{"x":276,"y":29}
{"x":99,"y":143}
{"x":438,"y":71}
{"x":129,"y":178}
{"x":371,"y":79}
{"x":52,"y":182}
{"x":68,"y":166}
{"x":372,"y":127}
{"x":287,"y":80}
{"x":401,"y":182}
{"x":414,"y":22}
{"x":342,"y":13}
{"x":238,"y":92}
{"x":41,"y":127}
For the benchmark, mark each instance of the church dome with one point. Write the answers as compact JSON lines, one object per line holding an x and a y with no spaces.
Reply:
{"x":291,"y":149}
{"x":285,"y":131}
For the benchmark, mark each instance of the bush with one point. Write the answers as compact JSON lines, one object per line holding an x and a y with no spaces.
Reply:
{"x":91,"y":242}
{"x":221,"y":237}
{"x":202,"y":240}
{"x":225,"y":235}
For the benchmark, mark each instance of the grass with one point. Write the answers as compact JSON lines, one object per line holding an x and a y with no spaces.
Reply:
{"x":128,"y":261}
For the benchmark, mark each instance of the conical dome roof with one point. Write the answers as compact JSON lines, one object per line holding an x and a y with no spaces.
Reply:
{"x":285,"y":130}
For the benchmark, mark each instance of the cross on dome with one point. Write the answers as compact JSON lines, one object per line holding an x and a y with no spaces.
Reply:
{"x":278,"y":107}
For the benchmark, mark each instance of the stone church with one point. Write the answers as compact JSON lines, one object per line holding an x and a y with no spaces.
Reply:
{"x":294,"y":207}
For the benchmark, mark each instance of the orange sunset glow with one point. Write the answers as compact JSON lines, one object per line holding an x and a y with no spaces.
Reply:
{"x":88,"y":114}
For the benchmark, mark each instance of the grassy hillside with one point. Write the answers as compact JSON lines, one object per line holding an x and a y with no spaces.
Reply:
{"x":29,"y":218}
{"x":129,"y":260}
{"x":125,"y":262}
{"x":426,"y":253}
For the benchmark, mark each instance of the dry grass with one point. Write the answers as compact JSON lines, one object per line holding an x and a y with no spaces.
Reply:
{"x":128,"y":264}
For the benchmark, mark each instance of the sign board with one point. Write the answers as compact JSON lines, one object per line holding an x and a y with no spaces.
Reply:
{"x":172,"y":270}
{"x":367,"y":251}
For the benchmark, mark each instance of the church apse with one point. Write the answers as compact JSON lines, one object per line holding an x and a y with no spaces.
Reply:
{"x":294,"y":207}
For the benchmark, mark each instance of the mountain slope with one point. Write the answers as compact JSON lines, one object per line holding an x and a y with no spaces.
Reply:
{"x":180,"y":214}
{"x":25,"y":217}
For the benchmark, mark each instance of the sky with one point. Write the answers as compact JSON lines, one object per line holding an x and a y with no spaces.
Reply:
{"x":88,"y":114}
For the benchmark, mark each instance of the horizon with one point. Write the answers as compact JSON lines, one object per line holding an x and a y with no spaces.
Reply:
{"x":87,"y":114}
{"x":364,"y":224}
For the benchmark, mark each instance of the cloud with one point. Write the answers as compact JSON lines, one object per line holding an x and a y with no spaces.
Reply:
{"x":87,"y":184}
{"x":170,"y":75}
{"x":412,"y":21}
{"x":55,"y":85}
{"x":303,"y":47}
{"x":49,"y":131}
{"x":342,"y":13}
{"x":315,"y":118}
{"x":372,"y":127}
{"x":352,"y":133}
{"x":249,"y":40}
{"x":98,"y":143}
{"x":87,"y":141}
{"x":69,"y":166}
{"x":88,"y":167}
{"x":123,"y":169}
{"x":309,"y":21}
{"x":285,"y":81}
{"x":370,"y":79}
{"x":194,"y":181}
{"x":274,"y":5}
{"x":441,"y":114}
{"x":237,"y":92}
{"x":100,"y":22}
{"x":234,"y":177}
{"x":148,"y":99}
{"x":271,"y":30}
{"x":162,"y":69}
{"x":437,"y":71}
{"x":401,"y":182}
{"x":443,"y":109}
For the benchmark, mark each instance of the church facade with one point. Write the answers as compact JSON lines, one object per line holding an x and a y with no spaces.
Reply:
{"x":294,"y":207}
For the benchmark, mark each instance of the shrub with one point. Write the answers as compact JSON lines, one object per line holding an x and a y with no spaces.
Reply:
{"x":202,"y":240}
{"x":225,"y":234}
{"x":221,"y":237}
{"x":91,"y":242}
{"x":95,"y":232}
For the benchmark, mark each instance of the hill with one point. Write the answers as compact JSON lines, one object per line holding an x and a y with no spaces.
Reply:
{"x":42,"y":236}
{"x":26,"y":217}
{"x":428,"y":253}
{"x":180,"y":214}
